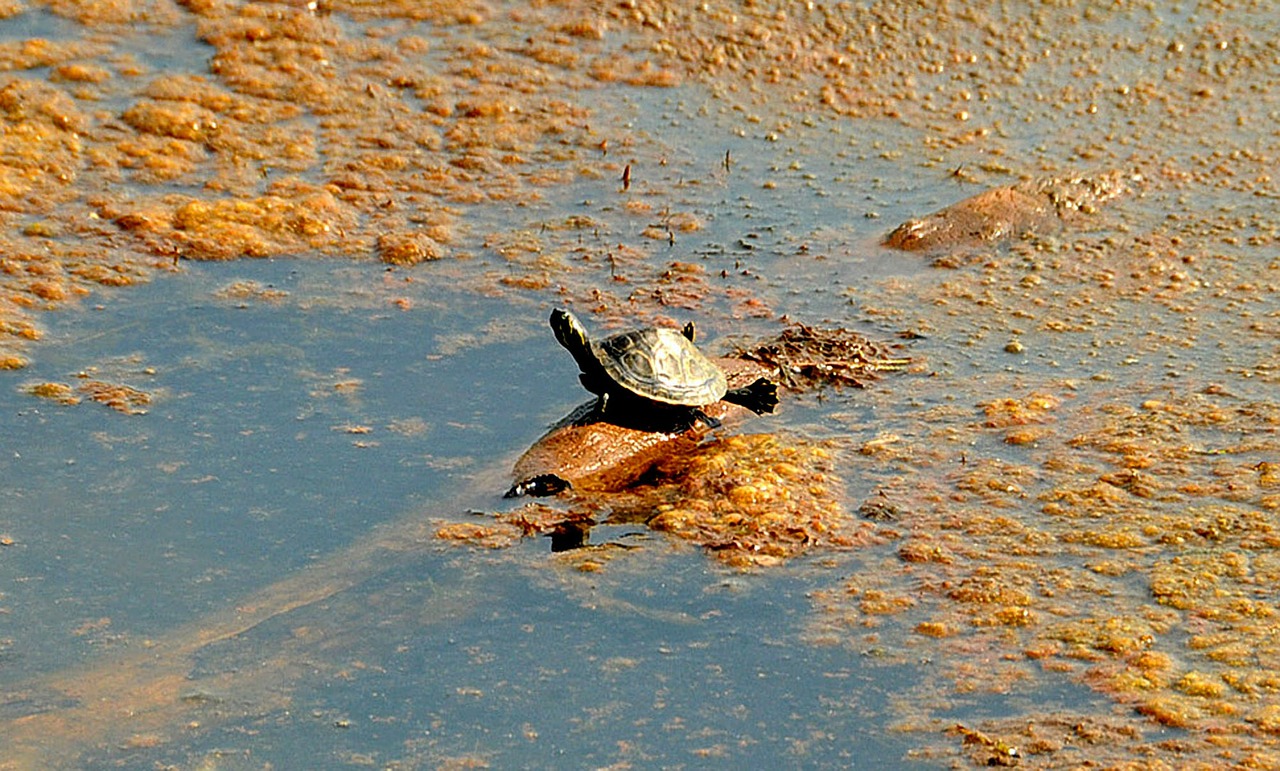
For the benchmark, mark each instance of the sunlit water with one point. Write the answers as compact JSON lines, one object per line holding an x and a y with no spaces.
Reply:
{"x":247,"y":467}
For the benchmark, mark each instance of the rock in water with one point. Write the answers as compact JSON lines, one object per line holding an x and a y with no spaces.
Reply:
{"x":1042,"y":205}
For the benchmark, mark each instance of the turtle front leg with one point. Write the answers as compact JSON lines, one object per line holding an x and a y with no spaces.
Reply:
{"x":698,"y":415}
{"x":760,"y":397}
{"x":596,"y":413}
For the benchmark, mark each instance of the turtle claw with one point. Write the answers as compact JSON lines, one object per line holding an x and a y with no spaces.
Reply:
{"x":593,"y":414}
{"x":700,"y":416}
{"x":760,"y":397}
{"x":540,"y":486}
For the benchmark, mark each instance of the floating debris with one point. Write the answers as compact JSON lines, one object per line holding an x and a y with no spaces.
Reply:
{"x":119,"y":397}
{"x":58,"y":392}
{"x":805,"y":357}
{"x":753,"y":499}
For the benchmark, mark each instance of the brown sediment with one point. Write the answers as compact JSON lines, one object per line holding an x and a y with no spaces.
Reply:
{"x":1034,"y":206}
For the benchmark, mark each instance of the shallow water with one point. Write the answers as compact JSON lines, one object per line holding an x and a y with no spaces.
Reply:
{"x":253,"y":462}
{"x":248,"y":466}
{"x":247,"y":574}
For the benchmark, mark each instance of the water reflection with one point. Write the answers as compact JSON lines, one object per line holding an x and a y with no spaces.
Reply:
{"x":278,"y":432}
{"x":36,"y":24}
{"x":570,"y":536}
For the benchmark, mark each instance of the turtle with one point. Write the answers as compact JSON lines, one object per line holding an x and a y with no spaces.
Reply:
{"x":655,"y":372}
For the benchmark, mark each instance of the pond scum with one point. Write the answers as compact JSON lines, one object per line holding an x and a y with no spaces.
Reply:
{"x":1114,"y":525}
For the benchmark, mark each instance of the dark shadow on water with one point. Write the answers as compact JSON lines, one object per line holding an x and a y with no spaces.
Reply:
{"x":570,"y":536}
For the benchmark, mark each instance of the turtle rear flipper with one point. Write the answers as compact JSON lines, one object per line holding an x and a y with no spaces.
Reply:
{"x":759,"y":397}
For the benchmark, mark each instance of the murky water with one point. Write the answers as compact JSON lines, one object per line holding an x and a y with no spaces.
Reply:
{"x":285,"y":430}
{"x":1081,"y":554}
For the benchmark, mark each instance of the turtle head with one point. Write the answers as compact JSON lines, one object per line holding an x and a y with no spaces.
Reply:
{"x":573,"y":336}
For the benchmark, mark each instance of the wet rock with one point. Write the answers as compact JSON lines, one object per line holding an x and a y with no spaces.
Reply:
{"x":1041,"y":205}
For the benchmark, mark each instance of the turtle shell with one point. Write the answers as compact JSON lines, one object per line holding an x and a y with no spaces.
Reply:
{"x":662,"y":365}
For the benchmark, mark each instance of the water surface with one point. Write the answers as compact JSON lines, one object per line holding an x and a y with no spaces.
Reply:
{"x":1081,"y":561}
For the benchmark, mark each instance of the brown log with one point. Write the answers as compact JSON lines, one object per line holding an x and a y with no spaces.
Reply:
{"x":599,"y":456}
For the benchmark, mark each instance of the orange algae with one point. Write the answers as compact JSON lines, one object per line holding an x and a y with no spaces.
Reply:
{"x":258,"y":227}
{"x":289,"y":91}
{"x":58,"y":392}
{"x":934,"y":629}
{"x":753,"y":499}
{"x":250,"y":290}
{"x":494,"y":536}
{"x":1073,"y":463}
{"x":1202,"y":552}
{"x":119,"y":397}
{"x":408,"y":248}
{"x":506,"y":528}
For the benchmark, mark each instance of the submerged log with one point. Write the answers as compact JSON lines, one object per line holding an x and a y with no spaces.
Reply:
{"x":1034,"y":206}
{"x":597,"y":456}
